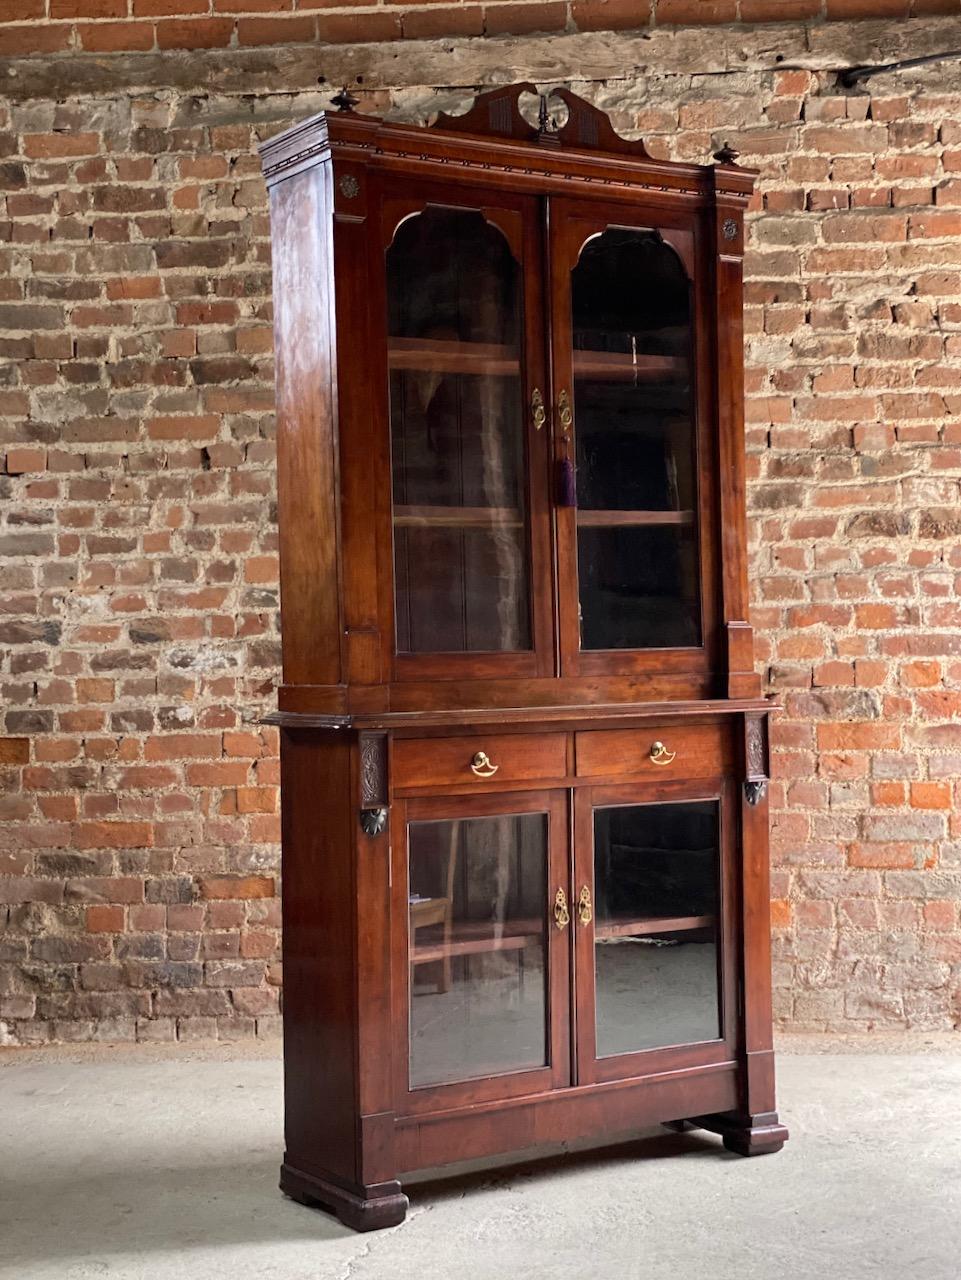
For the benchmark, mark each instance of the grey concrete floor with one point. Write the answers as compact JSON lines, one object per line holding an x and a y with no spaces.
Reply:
{"x":149,"y":1166}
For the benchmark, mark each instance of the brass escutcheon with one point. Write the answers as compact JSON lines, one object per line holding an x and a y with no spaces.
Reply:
{"x":585,"y":912}
{"x":481,"y":765}
{"x":660,"y":754}
{"x":565,"y":417}
{"x":538,"y":412}
{"x":562,"y":917}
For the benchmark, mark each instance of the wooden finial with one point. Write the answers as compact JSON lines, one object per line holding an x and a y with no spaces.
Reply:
{"x":345,"y":100}
{"x":726,"y":155}
{"x":543,"y":119}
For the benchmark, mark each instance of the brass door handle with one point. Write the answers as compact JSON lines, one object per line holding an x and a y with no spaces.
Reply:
{"x":538,"y":412}
{"x":562,"y":917}
{"x":585,"y":912}
{"x":481,"y":765}
{"x":659,"y":754}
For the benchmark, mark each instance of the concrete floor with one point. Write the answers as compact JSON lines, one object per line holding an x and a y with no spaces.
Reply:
{"x":147,"y":1166}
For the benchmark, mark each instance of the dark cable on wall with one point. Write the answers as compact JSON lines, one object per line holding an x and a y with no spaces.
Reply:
{"x":854,"y":75}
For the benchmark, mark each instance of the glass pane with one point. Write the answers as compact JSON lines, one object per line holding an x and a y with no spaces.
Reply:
{"x":457,"y":437}
{"x":636,"y":464}
{"x":637,"y":587}
{"x":656,"y":952}
{"x":478,"y":947}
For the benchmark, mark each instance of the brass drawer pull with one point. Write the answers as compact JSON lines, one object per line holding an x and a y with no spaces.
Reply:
{"x":585,"y":912}
{"x":481,"y":765}
{"x":660,"y":754}
{"x":562,"y":917}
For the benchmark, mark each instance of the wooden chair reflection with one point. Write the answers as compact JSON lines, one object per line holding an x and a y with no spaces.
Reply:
{"x":466,"y":938}
{"x":436,"y":911}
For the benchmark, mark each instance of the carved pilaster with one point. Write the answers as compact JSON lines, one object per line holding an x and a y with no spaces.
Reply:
{"x":373,"y":769}
{"x":373,"y":783}
{"x":756,"y":767}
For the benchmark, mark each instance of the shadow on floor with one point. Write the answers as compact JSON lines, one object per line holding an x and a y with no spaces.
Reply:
{"x":145,"y":1208}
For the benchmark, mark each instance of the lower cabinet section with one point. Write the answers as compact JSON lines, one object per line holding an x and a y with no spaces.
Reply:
{"x":554,"y":959}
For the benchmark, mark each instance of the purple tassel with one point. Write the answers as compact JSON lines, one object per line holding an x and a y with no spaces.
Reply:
{"x":566,"y":485}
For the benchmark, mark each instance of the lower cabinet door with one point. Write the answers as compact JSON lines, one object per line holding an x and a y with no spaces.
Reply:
{"x":652,"y":906}
{"x":481,"y":939}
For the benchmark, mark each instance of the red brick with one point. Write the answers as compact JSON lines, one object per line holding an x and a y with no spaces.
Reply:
{"x":168,"y":8}
{"x":179,"y":746}
{"x":105,"y":919}
{"x":256,"y":799}
{"x":430,"y":23}
{"x":25,"y":459}
{"x":930,"y":795}
{"x":844,"y":10}
{"x":113,"y":835}
{"x":262,"y":6}
{"x":197,"y":33}
{"x":237,"y":887}
{"x":48,"y":145}
{"x":782,"y":11}
{"x":88,"y":8}
{"x":353,"y":28}
{"x":683,"y":12}
{"x":14,"y":751}
{"x":21,"y":10}
{"x":199,"y":427}
{"x":523,"y":19}
{"x":610,"y":15}
{"x":297,"y":30}
{"x":886,"y":857}
{"x":116,"y":37}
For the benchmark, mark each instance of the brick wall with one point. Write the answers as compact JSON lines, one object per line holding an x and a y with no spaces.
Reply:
{"x":107,"y":26}
{"x":138,"y":628}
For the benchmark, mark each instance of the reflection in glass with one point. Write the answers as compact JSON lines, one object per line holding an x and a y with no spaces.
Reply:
{"x":634,"y":423}
{"x":478,"y":947}
{"x":656,"y":933}
{"x":457,"y":437}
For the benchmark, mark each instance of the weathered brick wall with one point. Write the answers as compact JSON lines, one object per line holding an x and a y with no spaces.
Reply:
{"x":108,"y":26}
{"x":138,"y":627}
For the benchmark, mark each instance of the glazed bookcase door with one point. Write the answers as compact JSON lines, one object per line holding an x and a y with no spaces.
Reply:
{"x":632,"y":485}
{"x":468,"y":538}
{"x":481,"y":948}
{"x":654,"y":886}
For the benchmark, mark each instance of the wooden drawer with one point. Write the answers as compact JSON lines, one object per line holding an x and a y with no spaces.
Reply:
{"x":687,"y":751}
{"x":511,"y":757}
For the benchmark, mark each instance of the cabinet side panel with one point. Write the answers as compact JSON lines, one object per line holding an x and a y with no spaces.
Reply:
{"x":300,"y":217}
{"x":319,"y":954}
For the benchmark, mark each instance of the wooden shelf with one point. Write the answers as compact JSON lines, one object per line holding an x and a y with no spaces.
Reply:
{"x":629,"y":519}
{"x":619,"y":366}
{"x":436,"y":355}
{"x":457,"y":518}
{"x":477,"y":939}
{"x":659,"y":924}
{"x":439,"y":355}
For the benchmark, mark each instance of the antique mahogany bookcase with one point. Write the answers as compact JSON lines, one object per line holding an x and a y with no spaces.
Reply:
{"x":524,"y":749}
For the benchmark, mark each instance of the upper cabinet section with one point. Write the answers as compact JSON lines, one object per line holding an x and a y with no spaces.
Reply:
{"x":513,"y":337}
